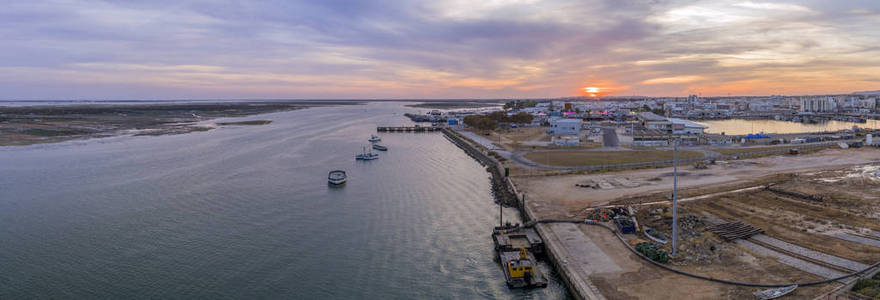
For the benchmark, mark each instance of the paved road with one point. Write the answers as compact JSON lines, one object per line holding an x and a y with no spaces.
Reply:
{"x":609,"y":137}
{"x":485,"y":143}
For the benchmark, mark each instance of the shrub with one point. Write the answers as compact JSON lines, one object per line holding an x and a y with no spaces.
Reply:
{"x":651,"y":251}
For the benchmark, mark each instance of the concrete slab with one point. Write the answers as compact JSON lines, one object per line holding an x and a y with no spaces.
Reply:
{"x":582,"y":251}
{"x":831,"y":259}
{"x":791,"y":261}
{"x":857,"y":239}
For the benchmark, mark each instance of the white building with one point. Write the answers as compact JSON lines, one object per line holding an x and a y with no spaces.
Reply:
{"x":562,"y":126}
{"x":818,"y":105}
{"x":680,"y":126}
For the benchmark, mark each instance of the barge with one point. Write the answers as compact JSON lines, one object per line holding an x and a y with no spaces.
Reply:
{"x":517,"y":247}
{"x":521,"y":269}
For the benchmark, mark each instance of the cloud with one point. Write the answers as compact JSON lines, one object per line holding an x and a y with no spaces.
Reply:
{"x":774,"y":6}
{"x":674,"y":79}
{"x":434,"y":49}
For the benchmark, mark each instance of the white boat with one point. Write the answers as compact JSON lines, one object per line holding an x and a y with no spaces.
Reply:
{"x":374,"y":138}
{"x":774,"y":293}
{"x":366,"y":155}
{"x":336,"y":177}
{"x":656,"y":236}
{"x":380,"y":147}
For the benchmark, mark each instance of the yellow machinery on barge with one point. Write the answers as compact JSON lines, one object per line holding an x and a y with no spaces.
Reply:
{"x":516,"y":248}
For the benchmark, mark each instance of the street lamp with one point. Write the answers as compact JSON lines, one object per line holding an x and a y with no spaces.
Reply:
{"x":674,"y":196}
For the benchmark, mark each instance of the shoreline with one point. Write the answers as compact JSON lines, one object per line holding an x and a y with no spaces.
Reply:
{"x":578,"y":287}
{"x":41,"y":124}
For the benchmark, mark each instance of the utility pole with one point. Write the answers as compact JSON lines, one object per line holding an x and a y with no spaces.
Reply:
{"x":674,"y":197}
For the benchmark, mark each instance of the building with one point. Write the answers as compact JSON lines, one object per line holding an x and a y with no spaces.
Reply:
{"x":563,"y":126}
{"x":680,"y":127}
{"x":818,"y":105}
{"x":650,"y":138}
{"x":652,"y":121}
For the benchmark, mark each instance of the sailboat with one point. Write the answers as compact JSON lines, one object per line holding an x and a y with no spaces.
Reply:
{"x":366,"y":155}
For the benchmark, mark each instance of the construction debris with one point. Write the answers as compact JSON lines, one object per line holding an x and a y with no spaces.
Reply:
{"x":734,"y":230}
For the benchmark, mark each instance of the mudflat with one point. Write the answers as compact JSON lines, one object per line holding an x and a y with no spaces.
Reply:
{"x":26,"y":125}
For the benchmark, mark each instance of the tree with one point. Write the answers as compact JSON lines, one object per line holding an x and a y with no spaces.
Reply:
{"x":498,"y":116}
{"x":521,"y":118}
{"x":472,"y":120}
{"x":480,"y":122}
{"x":486,"y":124}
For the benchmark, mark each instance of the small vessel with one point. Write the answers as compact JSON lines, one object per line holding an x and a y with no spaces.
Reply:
{"x":656,"y":236}
{"x":366,"y":155}
{"x":374,"y":138}
{"x":520,"y":269}
{"x":380,"y":147}
{"x":774,"y":293}
{"x":336,"y":177}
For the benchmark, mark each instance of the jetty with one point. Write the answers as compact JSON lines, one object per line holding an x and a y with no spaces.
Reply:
{"x":415,"y":128}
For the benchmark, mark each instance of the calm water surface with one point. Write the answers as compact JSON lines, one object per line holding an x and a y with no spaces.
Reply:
{"x":246,"y":212}
{"x":741,"y":127}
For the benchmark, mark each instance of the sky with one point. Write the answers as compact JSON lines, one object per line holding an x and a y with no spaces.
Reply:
{"x":337,"y":49}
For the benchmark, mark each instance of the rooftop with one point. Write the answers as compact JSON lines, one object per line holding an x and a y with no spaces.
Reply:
{"x":687,"y":123}
{"x":651,"y":116}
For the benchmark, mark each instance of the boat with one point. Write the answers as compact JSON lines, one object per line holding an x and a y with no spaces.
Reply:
{"x":775,"y":293}
{"x":380,"y":147}
{"x":374,"y":138}
{"x":336,"y":177}
{"x":521,"y":270}
{"x":656,"y":236}
{"x":366,"y":155}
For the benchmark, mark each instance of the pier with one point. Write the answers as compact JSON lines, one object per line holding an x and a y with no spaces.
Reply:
{"x":416,"y":128}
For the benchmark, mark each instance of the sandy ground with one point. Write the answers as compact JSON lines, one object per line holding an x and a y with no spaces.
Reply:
{"x":619,"y":274}
{"x":799,"y":222}
{"x":562,"y":192}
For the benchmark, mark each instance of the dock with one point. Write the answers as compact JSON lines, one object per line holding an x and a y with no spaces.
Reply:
{"x":512,"y":239}
{"x":416,"y":128}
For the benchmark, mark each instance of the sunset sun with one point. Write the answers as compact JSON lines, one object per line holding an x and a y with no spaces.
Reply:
{"x":592,"y":91}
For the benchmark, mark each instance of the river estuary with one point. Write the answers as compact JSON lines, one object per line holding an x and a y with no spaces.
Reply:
{"x":245,"y":212}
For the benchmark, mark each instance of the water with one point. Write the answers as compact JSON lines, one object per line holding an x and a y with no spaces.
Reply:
{"x":742,"y":127}
{"x":246,"y":212}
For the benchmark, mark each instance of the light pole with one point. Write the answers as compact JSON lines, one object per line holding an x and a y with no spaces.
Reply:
{"x":674,"y":196}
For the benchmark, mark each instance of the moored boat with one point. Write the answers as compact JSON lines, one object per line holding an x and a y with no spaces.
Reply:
{"x":775,"y":293}
{"x":336,"y":177}
{"x":374,"y":138}
{"x":656,"y":236}
{"x":366,"y":155}
{"x":380,"y":147}
{"x":521,"y":270}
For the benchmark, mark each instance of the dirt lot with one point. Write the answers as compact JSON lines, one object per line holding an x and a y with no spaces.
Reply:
{"x":739,"y":150}
{"x":563,"y":190}
{"x":641,"y":280}
{"x":527,"y":138}
{"x":592,"y":158}
{"x":810,"y":198}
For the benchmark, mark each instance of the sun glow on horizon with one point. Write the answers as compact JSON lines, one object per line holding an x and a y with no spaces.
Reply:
{"x":592,"y":91}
